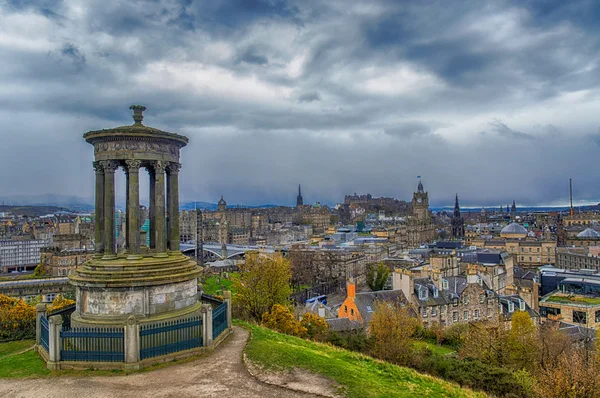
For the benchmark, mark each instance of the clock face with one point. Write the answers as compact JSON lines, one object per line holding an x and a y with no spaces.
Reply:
{"x":419,"y":200}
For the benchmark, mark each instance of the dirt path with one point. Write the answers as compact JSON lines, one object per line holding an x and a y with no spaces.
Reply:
{"x":220,"y":374}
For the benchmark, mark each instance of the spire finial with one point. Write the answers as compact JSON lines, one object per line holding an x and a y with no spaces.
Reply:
{"x":138,"y":113}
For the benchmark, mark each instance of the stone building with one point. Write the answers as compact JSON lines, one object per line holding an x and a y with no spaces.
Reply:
{"x":448,"y":300}
{"x":586,"y":258}
{"x":418,"y":228}
{"x":316,"y":265}
{"x":62,"y":262}
{"x":576,"y":301}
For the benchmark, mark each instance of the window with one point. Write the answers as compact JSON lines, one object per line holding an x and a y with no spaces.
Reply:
{"x":481,"y":298}
{"x":580,"y":317}
{"x":455,"y":302}
{"x":455,"y":316}
{"x":346,"y":308}
{"x":597,"y":316}
{"x":351,"y":311}
{"x":476,"y":314}
{"x":434,"y":311}
{"x":465,"y":300}
{"x":444,"y":284}
{"x":466,"y":315}
{"x":424,"y":312}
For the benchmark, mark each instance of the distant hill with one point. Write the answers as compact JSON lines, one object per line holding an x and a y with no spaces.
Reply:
{"x":49,"y":199}
{"x":213,"y":206}
{"x":31,"y":211}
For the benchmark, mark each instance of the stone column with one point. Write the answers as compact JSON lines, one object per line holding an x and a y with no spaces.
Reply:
{"x":133,"y":209}
{"x":227,"y":297}
{"x":132,"y":344}
{"x":159,"y":201}
{"x":40,"y":310}
{"x":110,"y":166}
{"x":207,"y":326}
{"x":99,"y":209}
{"x":152,"y":207}
{"x":173,"y":205}
{"x":54,"y":343}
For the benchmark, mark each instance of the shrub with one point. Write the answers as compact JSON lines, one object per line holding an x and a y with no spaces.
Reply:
{"x":282,"y":320}
{"x":315,"y":326}
{"x":17,"y":319}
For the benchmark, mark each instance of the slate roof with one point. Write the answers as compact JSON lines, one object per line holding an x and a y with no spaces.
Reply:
{"x":514,"y":298}
{"x":365,"y":302}
{"x":588,"y":233}
{"x":343,"y":324}
{"x":577,"y":332}
{"x":514,"y":228}
{"x":456,"y":286}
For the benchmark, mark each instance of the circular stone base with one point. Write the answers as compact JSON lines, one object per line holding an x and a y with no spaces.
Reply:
{"x":150,"y":288}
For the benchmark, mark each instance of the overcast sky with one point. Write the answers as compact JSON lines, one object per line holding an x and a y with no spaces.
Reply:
{"x":494,"y":100}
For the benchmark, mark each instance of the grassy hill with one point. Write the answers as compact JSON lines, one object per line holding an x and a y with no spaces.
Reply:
{"x":360,"y":375}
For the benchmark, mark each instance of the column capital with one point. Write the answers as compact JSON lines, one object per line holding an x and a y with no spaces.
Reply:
{"x":98,"y":167}
{"x":173,"y":167}
{"x":109,"y":166}
{"x":160,"y":166}
{"x":133,"y":166}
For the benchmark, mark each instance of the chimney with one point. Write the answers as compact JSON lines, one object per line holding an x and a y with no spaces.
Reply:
{"x":321,"y":311}
{"x":472,"y":274}
{"x":351,"y":288}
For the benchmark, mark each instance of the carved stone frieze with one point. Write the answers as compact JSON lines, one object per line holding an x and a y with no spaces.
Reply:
{"x":141,"y":146}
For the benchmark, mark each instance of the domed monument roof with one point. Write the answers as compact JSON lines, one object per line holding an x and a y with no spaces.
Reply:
{"x":514,"y":229}
{"x":222,"y":201}
{"x":588,"y":233}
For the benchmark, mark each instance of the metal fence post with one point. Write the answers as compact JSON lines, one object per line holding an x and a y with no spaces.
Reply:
{"x":132,"y":343}
{"x":40,"y":310}
{"x":207,"y":323}
{"x":227,"y":297}
{"x":54,"y":343}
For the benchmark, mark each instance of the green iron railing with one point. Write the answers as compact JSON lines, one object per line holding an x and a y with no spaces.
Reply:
{"x":171,"y":336}
{"x":219,"y":316}
{"x":92,"y":344}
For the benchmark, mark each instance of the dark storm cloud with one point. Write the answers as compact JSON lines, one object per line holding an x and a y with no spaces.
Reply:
{"x":505,"y":131}
{"x":339,"y":96}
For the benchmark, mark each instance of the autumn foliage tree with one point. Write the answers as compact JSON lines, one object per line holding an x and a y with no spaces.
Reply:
{"x":262,"y":283}
{"x":59,"y":303}
{"x":391,"y":328}
{"x":281,"y":319}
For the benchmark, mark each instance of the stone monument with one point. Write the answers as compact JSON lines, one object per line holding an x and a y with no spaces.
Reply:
{"x":152,"y":283}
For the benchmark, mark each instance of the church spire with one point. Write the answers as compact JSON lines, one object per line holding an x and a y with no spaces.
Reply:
{"x":458,"y":223}
{"x":299,"y":200}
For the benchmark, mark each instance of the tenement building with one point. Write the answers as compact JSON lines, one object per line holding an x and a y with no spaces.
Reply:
{"x":586,"y":258}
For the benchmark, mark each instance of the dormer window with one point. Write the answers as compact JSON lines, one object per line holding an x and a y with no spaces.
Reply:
{"x":511,"y":307}
{"x":444,"y":284}
{"x":435,"y":292}
{"x":521,"y":305}
{"x":422,"y":293}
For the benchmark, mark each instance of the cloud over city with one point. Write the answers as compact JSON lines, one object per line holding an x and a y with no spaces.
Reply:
{"x":492,"y":100}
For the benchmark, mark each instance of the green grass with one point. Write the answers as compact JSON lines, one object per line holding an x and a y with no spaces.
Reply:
{"x":15,"y":346}
{"x":574,"y":300}
{"x":214,"y":284}
{"x":27,"y":364}
{"x":431,"y":345}
{"x":360,"y":375}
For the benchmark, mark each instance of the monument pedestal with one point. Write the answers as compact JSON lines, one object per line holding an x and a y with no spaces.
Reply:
{"x":151,"y":288}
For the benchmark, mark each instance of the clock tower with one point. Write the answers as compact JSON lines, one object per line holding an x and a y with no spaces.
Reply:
{"x":420,"y":203}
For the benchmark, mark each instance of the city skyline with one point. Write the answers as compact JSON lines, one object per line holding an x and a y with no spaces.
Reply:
{"x":496,"y":101}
